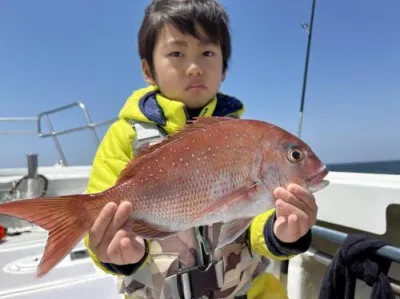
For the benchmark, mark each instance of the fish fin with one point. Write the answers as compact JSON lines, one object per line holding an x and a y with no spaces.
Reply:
{"x":230,"y":231}
{"x":65,"y":218}
{"x":148,"y":231}
{"x":193,"y":126}
{"x":243,"y":193}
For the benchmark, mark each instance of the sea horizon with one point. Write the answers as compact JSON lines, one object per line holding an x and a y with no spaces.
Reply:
{"x":383,"y":166}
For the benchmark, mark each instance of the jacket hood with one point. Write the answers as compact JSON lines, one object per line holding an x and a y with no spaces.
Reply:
{"x":149,"y":106}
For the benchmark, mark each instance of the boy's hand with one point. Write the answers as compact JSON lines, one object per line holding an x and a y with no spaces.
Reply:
{"x":110,"y":237}
{"x":296,"y":212}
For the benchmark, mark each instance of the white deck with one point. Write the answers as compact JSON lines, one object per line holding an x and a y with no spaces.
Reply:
{"x":19,"y":255}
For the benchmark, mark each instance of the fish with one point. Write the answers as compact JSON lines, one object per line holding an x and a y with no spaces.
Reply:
{"x":213,"y":170}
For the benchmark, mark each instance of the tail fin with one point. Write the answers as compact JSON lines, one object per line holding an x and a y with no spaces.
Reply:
{"x":66,"y":218}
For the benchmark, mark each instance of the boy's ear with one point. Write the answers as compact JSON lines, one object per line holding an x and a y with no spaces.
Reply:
{"x":147,"y":72}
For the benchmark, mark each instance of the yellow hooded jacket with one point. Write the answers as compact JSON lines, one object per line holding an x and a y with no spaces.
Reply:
{"x":116,"y":150}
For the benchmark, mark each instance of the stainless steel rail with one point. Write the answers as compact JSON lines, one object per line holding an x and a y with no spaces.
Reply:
{"x":51,"y":130}
{"x":20,"y":120}
{"x":326,"y":259}
{"x":389,"y":252}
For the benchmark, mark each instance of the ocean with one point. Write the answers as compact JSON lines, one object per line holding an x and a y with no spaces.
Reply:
{"x":385,"y":167}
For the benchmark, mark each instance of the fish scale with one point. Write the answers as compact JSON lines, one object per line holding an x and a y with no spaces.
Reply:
{"x":188,"y":195}
{"x":216,"y":169}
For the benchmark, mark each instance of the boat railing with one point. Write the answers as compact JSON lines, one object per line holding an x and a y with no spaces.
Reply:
{"x":52,"y":132}
{"x":388,"y":252}
{"x":19,"y":120}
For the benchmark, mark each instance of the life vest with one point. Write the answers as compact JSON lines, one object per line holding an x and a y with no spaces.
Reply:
{"x":185,"y":265}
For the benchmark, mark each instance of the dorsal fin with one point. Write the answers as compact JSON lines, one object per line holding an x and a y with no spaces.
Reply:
{"x":193,"y":126}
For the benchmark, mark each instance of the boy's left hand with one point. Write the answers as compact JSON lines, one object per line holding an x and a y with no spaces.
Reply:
{"x":296,"y":212}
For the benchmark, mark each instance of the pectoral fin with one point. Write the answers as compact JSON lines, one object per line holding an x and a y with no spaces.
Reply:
{"x":148,"y":231}
{"x":240,"y":195}
{"x":232,"y":230}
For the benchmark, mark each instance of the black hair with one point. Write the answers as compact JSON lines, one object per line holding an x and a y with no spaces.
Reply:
{"x":184,"y":14}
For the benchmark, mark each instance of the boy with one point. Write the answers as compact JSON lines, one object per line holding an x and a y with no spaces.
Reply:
{"x":185,"y":48}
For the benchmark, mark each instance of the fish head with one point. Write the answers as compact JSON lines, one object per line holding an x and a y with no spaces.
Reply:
{"x":287,"y":159}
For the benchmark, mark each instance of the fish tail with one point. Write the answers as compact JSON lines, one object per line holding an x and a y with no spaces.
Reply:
{"x":66,"y":218}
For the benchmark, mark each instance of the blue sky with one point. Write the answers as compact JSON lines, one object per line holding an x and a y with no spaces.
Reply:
{"x":53,"y":53}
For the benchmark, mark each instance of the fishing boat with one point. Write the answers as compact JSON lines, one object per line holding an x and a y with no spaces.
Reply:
{"x":365,"y":203}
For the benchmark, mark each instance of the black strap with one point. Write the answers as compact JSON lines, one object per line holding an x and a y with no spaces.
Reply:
{"x":202,"y":281}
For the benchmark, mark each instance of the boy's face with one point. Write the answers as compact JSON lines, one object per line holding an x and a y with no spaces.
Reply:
{"x":186,"y":69}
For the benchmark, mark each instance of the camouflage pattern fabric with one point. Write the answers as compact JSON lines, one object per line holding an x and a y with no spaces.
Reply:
{"x":180,"y":251}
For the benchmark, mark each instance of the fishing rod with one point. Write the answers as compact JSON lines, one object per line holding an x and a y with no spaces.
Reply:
{"x":308,"y":28}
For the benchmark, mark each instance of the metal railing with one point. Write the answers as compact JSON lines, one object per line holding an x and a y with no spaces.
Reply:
{"x":20,"y":120}
{"x":389,"y":252}
{"x":90,"y":125}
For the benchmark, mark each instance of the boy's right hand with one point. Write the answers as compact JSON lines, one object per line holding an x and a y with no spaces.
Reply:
{"x":111,"y":239}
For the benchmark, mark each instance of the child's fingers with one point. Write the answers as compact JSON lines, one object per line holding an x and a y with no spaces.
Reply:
{"x":294,"y":227}
{"x":132,"y":251}
{"x":120,"y":218}
{"x":304,"y":195}
{"x":280,"y":223}
{"x":112,"y":253}
{"x":101,"y":224}
{"x":287,"y":228}
{"x":286,"y":208}
{"x":289,"y":198}
{"x":292,"y":222}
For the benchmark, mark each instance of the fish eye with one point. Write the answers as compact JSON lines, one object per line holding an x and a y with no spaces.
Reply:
{"x":295,"y":155}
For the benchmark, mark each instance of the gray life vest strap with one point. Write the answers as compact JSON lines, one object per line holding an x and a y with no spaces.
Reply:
{"x":146,"y":134}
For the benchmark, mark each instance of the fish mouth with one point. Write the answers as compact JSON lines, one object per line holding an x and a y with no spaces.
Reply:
{"x":317,"y":181}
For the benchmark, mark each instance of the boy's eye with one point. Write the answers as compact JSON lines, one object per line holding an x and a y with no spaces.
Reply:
{"x":175,"y":54}
{"x":208,"y":53}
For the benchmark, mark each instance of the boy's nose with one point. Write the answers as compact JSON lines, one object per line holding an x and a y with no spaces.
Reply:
{"x":194,"y":70}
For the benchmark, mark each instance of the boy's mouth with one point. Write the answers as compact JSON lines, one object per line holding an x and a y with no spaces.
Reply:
{"x":195,"y":87}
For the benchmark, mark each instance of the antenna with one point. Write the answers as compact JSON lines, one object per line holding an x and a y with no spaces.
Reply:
{"x":308,"y":28}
